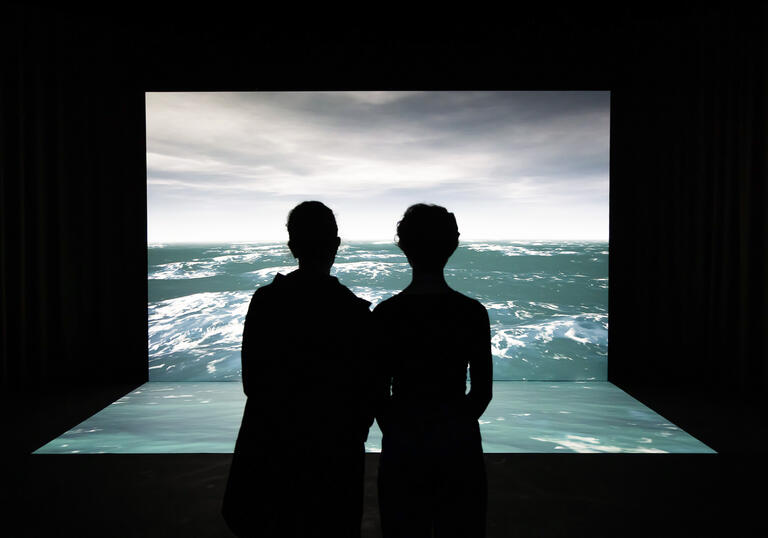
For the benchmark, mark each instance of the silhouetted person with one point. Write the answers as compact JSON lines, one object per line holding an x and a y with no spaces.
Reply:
{"x":431,"y":473}
{"x":297,"y":469}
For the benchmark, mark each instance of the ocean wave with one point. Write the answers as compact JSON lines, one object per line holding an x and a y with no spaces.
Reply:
{"x":183,"y":270}
{"x":268,"y":273}
{"x":547,"y":302}
{"x":567,"y":332}
{"x":234,"y":257}
{"x":592,"y":445}
{"x":373,"y":295}
{"x":530,"y":249}
{"x":196,"y":331}
{"x":500,"y":305}
{"x":371,"y":256}
{"x":507,"y":250}
{"x":270,"y":249}
{"x":368,"y":269}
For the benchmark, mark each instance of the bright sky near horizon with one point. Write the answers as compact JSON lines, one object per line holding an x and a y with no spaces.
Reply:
{"x":229,"y":166}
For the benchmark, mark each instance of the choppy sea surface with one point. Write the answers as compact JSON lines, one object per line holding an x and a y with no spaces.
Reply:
{"x":547,"y":302}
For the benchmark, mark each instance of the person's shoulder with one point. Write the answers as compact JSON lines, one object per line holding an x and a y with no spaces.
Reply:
{"x":387,"y":305}
{"x":267,"y":291}
{"x":469,"y":303}
{"x":393,"y":301}
{"x":349,"y":296}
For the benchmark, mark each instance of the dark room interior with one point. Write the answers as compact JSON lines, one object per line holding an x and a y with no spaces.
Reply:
{"x":688,"y":234}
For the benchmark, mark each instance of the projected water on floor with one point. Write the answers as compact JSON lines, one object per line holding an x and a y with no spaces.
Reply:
{"x":570,"y":417}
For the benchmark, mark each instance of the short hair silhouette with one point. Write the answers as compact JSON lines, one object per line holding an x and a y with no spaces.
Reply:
{"x":428,"y":235}
{"x":312,"y":229}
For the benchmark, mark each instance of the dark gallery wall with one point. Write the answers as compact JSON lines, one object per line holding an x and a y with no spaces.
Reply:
{"x":689,"y":229}
{"x":688,"y":166}
{"x":73,"y":205}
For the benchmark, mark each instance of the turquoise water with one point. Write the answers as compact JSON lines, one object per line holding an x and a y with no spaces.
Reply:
{"x":548,"y":306}
{"x":527,"y":417}
{"x":547,"y":302}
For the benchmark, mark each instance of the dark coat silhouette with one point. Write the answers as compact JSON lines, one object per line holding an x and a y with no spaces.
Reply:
{"x":297,"y":469}
{"x":432,"y":473}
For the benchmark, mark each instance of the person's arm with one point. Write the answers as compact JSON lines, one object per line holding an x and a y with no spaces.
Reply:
{"x":246,"y":350}
{"x":381,"y":377}
{"x":364,"y":390}
{"x":249,"y":352}
{"x":480,"y":366}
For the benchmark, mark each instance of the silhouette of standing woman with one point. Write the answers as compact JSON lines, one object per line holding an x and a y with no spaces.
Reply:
{"x":431,"y":473}
{"x":297,"y":469}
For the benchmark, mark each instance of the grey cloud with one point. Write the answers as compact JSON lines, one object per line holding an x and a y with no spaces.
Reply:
{"x":524,"y":145}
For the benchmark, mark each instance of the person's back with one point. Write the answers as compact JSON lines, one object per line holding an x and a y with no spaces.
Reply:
{"x":433,"y":335}
{"x":431,"y":471}
{"x":301,"y":362}
{"x":297,"y":469}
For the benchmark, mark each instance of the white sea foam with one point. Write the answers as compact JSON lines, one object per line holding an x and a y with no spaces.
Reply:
{"x":555,"y":326}
{"x":189,"y":323}
{"x":373,"y":295}
{"x":270,"y":272}
{"x":251,"y":257}
{"x":548,"y":306}
{"x":498,"y":305}
{"x":371,"y":256}
{"x":507,"y":250}
{"x":211,"y":366}
{"x":504,"y":339}
{"x":368,"y":269}
{"x":591,"y":440}
{"x":592,"y":445}
{"x":571,"y":333}
{"x":581,"y":329}
{"x":183,"y":271}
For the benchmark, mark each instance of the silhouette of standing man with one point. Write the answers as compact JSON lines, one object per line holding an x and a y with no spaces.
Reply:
{"x":297,"y":469}
{"x":432,"y":478}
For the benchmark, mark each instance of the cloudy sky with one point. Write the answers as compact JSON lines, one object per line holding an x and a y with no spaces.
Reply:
{"x":511,"y":165}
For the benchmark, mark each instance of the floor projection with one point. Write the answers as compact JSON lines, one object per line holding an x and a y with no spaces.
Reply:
{"x":523,"y":417}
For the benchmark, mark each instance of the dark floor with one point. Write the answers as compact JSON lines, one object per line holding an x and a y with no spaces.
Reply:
{"x":529,"y":494}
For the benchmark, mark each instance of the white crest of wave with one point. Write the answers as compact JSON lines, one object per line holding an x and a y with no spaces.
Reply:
{"x":183,"y":270}
{"x":571,"y":333}
{"x":372,"y":295}
{"x":509,"y":250}
{"x":269,"y":272}
{"x":581,"y":329}
{"x":592,"y":445}
{"x":198,"y":321}
{"x":371,"y":256}
{"x":499,"y":305}
{"x":504,"y":339}
{"x":368,"y":269}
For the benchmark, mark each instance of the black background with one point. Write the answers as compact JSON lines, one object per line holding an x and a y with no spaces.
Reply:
{"x":688,"y":232}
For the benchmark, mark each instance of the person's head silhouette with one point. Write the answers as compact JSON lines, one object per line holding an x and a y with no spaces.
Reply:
{"x":313,"y":236}
{"x":428,"y":235}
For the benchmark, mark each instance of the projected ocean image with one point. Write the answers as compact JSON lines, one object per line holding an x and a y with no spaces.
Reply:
{"x":547,"y":302}
{"x":526,"y":175}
